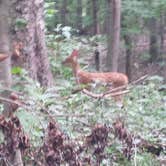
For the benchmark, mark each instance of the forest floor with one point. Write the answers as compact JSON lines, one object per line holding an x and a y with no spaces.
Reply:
{"x":82,"y":118}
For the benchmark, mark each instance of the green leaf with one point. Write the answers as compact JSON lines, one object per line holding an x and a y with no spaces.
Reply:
{"x":20,"y":23}
{"x":16,"y":70}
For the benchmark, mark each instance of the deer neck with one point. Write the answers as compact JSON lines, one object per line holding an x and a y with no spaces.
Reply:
{"x":75,"y":68}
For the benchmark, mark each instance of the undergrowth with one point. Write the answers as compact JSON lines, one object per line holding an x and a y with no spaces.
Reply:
{"x":143,"y":111}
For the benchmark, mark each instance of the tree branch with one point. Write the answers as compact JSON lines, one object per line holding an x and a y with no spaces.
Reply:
{"x":102,"y":95}
{"x":13,"y":102}
{"x":115,"y":91}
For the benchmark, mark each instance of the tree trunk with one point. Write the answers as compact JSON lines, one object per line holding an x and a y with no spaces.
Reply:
{"x":33,"y":38}
{"x":97,"y":59}
{"x":5,"y":66}
{"x":107,"y":9}
{"x":109,"y":33}
{"x":79,"y":15}
{"x":162,"y":32}
{"x":128,"y":45}
{"x":154,"y":42}
{"x":63,"y":12}
{"x":113,"y":34}
{"x":95,"y":9}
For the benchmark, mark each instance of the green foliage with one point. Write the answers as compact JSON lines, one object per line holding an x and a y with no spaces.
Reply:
{"x":20,"y":23}
{"x":143,"y":112}
{"x":135,"y":14}
{"x":16,"y":70}
{"x":33,"y":124}
{"x":144,"y":106}
{"x":49,"y":11}
{"x":146,"y":159}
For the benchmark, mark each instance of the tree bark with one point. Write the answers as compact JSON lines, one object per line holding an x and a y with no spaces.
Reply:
{"x":79,"y":15}
{"x":5,"y":66}
{"x":109,"y":33}
{"x":95,"y":9}
{"x":44,"y":75}
{"x":128,"y":45}
{"x":107,"y":9}
{"x":162,"y":32}
{"x":97,"y":59}
{"x":33,"y":38}
{"x":154,"y":42}
{"x":113,"y":34}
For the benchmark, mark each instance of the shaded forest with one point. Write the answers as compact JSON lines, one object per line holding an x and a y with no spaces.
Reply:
{"x":82,"y":82}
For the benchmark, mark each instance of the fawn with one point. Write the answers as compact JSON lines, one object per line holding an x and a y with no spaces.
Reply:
{"x":82,"y":77}
{"x":111,"y":79}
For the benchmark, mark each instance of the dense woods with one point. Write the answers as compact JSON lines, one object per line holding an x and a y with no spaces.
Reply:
{"x":82,"y":82}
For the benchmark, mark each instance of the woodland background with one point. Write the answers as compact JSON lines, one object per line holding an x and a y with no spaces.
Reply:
{"x":43,"y":122}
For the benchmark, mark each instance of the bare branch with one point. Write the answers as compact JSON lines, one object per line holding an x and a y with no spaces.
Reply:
{"x":115,"y":91}
{"x":13,"y":102}
{"x":140,"y":79}
{"x":102,"y":95}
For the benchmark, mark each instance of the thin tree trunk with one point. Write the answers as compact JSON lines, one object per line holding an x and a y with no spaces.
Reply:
{"x":107,"y":9}
{"x":114,"y":38}
{"x":154,"y":42}
{"x":128,"y":45}
{"x":109,"y":33}
{"x":95,"y":9}
{"x":162,"y":33}
{"x":79,"y":15}
{"x":88,"y":12}
{"x":97,"y":59}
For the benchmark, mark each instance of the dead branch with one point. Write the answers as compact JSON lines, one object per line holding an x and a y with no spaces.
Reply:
{"x":10,"y":101}
{"x":125,"y":86}
{"x":99,"y":96}
{"x":115,"y":91}
{"x":139,"y":79}
{"x":13,"y":102}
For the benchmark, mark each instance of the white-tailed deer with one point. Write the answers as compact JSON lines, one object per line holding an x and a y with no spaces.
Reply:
{"x":114,"y":79}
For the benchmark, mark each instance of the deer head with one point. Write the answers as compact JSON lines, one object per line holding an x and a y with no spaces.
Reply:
{"x":71,"y":59}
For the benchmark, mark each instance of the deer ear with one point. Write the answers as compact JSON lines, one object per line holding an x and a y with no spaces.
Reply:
{"x":75,"y":53}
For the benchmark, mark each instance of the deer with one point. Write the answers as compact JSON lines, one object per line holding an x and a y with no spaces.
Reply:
{"x":113,"y":79}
